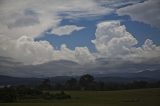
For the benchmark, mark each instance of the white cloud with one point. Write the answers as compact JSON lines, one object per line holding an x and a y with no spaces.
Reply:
{"x":28,"y":19}
{"x":146,"y":12}
{"x":80,"y":55}
{"x":113,"y":42}
{"x":83,"y":55}
{"x":112,"y":39}
{"x":149,"y":53}
{"x":116,"y":52}
{"x":31,"y":18}
{"x":65,"y":30}
{"x":23,"y":20}
{"x":64,"y":54}
{"x":28,"y":51}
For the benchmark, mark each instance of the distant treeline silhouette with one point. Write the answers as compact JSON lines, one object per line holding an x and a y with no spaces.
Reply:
{"x":46,"y":89}
{"x":20,"y":93}
{"x":87,"y":82}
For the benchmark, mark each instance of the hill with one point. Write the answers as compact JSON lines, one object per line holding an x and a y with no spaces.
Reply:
{"x":149,"y":76}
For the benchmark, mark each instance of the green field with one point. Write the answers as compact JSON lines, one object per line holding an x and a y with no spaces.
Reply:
{"x":139,"y":97}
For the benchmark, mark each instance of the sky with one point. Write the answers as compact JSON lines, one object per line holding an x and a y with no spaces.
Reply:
{"x":45,"y":38}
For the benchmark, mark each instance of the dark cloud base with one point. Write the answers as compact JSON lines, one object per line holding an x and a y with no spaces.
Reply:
{"x":69,"y":68}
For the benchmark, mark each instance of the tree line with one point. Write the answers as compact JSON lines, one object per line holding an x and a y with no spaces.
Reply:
{"x":20,"y":93}
{"x":88,"y":82}
{"x":46,"y":89}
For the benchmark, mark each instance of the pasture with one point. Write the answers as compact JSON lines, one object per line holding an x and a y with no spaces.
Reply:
{"x":137,"y":97}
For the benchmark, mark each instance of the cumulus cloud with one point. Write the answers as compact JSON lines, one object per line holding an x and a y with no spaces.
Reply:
{"x":22,"y":21}
{"x":83,"y":55}
{"x":114,"y":43}
{"x":80,"y":55}
{"x":66,"y":30}
{"x":28,"y":51}
{"x":146,"y":12}
{"x":116,"y":52}
{"x":149,"y":53}
{"x":112,"y":39}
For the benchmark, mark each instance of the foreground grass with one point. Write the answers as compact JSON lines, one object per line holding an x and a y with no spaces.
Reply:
{"x":139,"y":97}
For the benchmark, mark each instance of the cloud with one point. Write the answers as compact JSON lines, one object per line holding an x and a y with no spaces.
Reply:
{"x":113,"y":42}
{"x":146,"y":12}
{"x":116,"y":52}
{"x":65,"y":30}
{"x":48,"y":69}
{"x":31,"y":18}
{"x":22,"y":21}
{"x":112,"y":39}
{"x":28,"y":51}
{"x":83,"y":55}
{"x":149,"y":53}
{"x":117,"y":3}
{"x":80,"y":55}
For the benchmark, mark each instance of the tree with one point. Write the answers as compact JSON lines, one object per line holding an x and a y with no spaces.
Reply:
{"x":71,"y":84}
{"x":46,"y":84}
{"x":86,"y":81}
{"x":8,"y":95}
{"x":140,"y":84}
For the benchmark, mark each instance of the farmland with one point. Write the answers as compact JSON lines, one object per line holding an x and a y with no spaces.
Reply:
{"x":137,"y":97}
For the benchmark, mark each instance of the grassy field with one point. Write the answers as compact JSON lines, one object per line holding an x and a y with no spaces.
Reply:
{"x":139,"y":97}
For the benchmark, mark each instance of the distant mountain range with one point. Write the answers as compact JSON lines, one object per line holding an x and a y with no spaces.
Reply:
{"x":143,"y":74}
{"x":8,"y":80}
{"x":114,"y":77}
